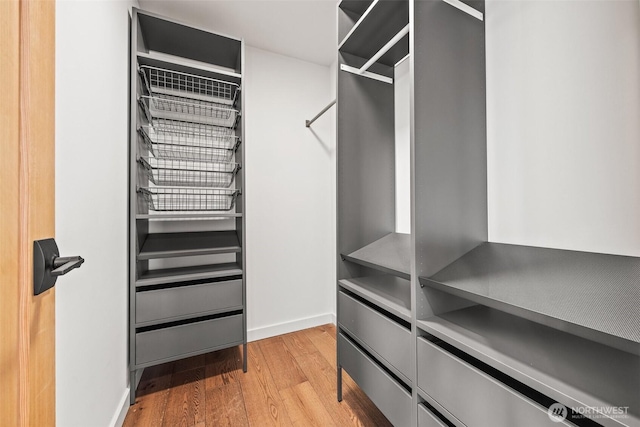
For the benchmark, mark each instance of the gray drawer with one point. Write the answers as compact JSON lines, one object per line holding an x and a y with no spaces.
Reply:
{"x":383,"y":337}
{"x":389,"y":396}
{"x":174,"y":341}
{"x":180,"y":302}
{"x":472,"y":396}
{"x":427,"y":419}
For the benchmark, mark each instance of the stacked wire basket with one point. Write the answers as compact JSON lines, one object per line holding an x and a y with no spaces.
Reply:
{"x":190,"y":139}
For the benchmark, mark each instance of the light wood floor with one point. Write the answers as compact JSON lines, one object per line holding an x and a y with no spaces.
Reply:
{"x":291,"y":381}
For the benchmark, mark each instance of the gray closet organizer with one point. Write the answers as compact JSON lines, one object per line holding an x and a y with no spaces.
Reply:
{"x":441,"y":327}
{"x":186,"y":185}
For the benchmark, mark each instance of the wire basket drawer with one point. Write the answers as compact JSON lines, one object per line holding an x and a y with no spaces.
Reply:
{"x":189,"y":141}
{"x":190,"y":110}
{"x":189,"y":199}
{"x":162,"y":81}
{"x":189,"y":173}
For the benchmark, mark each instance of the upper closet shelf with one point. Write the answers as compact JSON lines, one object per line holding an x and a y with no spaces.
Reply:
{"x":390,"y":254}
{"x":379,"y":24}
{"x":592,"y":295}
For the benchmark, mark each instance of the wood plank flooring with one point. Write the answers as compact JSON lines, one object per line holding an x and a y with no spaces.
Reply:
{"x":291,"y":381}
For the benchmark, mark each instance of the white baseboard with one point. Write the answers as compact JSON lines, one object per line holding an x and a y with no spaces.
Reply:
{"x":121,"y":413}
{"x":291,"y":326}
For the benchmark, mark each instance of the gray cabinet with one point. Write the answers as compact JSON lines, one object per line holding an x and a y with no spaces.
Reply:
{"x":186,"y":193}
{"x":478,"y":333}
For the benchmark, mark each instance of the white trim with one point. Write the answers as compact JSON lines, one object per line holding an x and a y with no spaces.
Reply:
{"x":357,"y":24}
{"x":368,"y":74}
{"x":465,"y":8}
{"x":391,"y":43}
{"x":287,"y":327}
{"x":121,"y":414}
{"x":402,"y":60}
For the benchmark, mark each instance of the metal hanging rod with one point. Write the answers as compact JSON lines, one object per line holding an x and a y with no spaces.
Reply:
{"x":466,"y":8}
{"x":362,"y":71}
{"x":308,"y":123}
{"x":391,"y":43}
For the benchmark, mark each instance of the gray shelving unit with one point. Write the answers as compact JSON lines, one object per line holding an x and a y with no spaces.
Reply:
{"x":186,"y":186}
{"x":441,"y":327}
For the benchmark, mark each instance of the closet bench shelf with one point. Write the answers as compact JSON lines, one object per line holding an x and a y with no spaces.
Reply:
{"x":169,"y":245}
{"x":521,"y":349}
{"x":183,"y":274}
{"x":595,"y":296}
{"x":388,"y":292}
{"x":391,"y":254}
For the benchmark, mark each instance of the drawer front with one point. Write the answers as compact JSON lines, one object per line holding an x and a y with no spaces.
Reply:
{"x":472,"y":396}
{"x":170,"y":303}
{"x":179,"y":340}
{"x":427,"y":419}
{"x":391,"y":398}
{"x":386,"y":338}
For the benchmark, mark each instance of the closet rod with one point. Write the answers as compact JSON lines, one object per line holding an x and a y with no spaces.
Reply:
{"x":308,"y":123}
{"x":403,"y":32}
{"x":466,"y":8}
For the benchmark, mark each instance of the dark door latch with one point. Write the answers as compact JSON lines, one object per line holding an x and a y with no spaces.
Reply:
{"x":48,"y":264}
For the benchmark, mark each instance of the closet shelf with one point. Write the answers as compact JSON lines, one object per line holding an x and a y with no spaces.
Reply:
{"x":390,"y":254}
{"x":188,"y":66}
{"x":184,"y":274}
{"x":522,"y":349}
{"x":189,"y":198}
{"x":189,"y":141}
{"x":189,"y":173}
{"x":168,"y":245}
{"x":595,"y":296}
{"x":390,"y":293}
{"x":383,"y":20}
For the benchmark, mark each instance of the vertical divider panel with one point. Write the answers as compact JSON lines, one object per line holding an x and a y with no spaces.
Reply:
{"x":449,"y":142}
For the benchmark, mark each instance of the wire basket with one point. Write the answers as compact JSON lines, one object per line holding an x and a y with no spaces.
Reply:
{"x":161,"y":81}
{"x":189,"y":141}
{"x":189,"y":199}
{"x":189,"y":173}
{"x":161,"y":106}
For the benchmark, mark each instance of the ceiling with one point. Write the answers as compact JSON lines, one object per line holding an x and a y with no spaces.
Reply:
{"x":303,"y":29}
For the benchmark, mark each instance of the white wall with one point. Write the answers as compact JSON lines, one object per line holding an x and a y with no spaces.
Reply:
{"x":290,"y":194}
{"x":91,"y":210}
{"x":563,"y":102}
{"x":402,"y":93}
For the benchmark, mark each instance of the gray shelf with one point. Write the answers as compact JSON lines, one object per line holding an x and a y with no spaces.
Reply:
{"x":390,"y":293}
{"x":571,"y":370}
{"x":592,"y":295}
{"x":173,"y":38}
{"x":188,"y":67}
{"x":169,"y":245}
{"x":370,"y":34}
{"x":390,"y":254}
{"x":183,"y":274}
